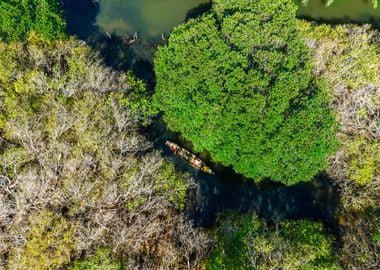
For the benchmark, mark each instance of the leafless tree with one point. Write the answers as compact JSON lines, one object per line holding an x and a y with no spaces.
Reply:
{"x":88,"y":163}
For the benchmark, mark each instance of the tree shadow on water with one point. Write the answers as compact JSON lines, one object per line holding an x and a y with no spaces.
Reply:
{"x":212,"y":194}
{"x":81,"y":17}
{"x":120,"y":53}
{"x":199,"y":10}
{"x":123,"y":54}
{"x":315,"y":200}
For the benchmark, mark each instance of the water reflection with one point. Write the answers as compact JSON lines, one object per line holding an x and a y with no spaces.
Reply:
{"x":149,"y":18}
{"x":108,"y":27}
{"x":341,"y":11}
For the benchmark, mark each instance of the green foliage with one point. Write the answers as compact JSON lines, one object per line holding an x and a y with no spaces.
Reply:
{"x":172,"y":185}
{"x":70,"y":142}
{"x":376,"y":236}
{"x":376,"y":233}
{"x":20,"y":17}
{"x":364,"y":163}
{"x":13,"y":157}
{"x":359,"y":246}
{"x":308,"y":241}
{"x":237,"y":82}
{"x":138,"y":99}
{"x":245,"y":242}
{"x":347,"y":57}
{"x":231,"y":251}
{"x":103,"y":259}
{"x":49,"y":243}
{"x":29,"y":101}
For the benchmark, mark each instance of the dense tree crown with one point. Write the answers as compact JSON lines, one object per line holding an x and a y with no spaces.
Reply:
{"x":19,"y":17}
{"x":238,"y":83}
{"x":246,"y":242}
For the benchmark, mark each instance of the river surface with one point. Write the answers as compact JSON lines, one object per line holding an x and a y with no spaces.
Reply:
{"x":152,"y":18}
{"x":149,"y":18}
{"x":126,"y":33}
{"x":339,"y":11}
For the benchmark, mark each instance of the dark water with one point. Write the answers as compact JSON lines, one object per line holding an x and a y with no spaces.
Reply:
{"x":227,"y":190}
{"x":316,"y":200}
{"x":109,"y":26}
{"x":361,"y":11}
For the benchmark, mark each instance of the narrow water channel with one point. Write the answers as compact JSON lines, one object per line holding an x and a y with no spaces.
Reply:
{"x":316,"y":200}
{"x":109,"y":26}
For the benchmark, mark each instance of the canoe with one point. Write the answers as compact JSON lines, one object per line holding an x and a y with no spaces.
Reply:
{"x":192,"y":159}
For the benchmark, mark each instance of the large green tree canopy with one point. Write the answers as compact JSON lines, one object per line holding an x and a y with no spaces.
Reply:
{"x":238,"y":83}
{"x":19,"y":17}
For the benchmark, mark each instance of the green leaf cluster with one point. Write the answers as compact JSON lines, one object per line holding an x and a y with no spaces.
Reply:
{"x":237,"y":82}
{"x":364,"y":163}
{"x":103,"y":259}
{"x":49,"y":243}
{"x":347,"y":58}
{"x":376,"y":234}
{"x":20,"y":17}
{"x":172,"y":185}
{"x":246,"y":242}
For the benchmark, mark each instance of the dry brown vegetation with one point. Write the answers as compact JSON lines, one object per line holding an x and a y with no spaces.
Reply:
{"x":347,"y":58}
{"x":73,"y":163}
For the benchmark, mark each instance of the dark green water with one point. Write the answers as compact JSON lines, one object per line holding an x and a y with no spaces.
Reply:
{"x":112,"y":26}
{"x":109,"y":25}
{"x":341,"y":11}
{"x":151,"y":18}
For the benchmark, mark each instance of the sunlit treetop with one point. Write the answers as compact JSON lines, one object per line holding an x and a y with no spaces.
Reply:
{"x":20,"y":17}
{"x":237,"y":82}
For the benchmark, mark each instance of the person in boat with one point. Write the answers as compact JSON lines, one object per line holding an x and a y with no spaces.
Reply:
{"x":197,"y":163}
{"x":186,"y":155}
{"x":174,"y":148}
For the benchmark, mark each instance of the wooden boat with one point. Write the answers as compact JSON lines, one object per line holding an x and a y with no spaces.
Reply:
{"x":192,"y":159}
